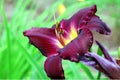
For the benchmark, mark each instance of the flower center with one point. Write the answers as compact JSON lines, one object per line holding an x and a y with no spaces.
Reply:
{"x":63,"y":36}
{"x":59,"y":32}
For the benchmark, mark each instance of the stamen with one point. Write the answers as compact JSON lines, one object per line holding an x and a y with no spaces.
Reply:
{"x":59,"y":32}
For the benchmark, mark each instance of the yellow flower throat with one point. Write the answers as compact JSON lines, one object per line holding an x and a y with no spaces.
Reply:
{"x":71,"y":35}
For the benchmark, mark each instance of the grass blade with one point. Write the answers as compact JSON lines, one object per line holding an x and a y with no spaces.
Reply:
{"x":119,"y":52}
{"x":8,"y":40}
{"x":29,"y":58}
{"x":87,"y":71}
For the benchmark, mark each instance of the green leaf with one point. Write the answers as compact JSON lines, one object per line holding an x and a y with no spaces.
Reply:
{"x":87,"y":71}
{"x":99,"y":51}
{"x":119,"y":52}
{"x":99,"y":75}
{"x":5,"y":21}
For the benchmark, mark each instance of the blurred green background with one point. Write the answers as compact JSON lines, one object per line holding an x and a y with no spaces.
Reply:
{"x":20,"y":60}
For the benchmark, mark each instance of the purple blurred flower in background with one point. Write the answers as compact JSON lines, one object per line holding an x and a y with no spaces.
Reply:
{"x":68,"y":39}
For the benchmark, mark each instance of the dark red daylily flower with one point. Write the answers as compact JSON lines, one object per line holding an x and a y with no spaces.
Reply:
{"x":109,"y":66}
{"x":67,"y":39}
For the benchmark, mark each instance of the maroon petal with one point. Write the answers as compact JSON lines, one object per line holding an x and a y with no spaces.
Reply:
{"x":44,"y":39}
{"x":82,"y":17}
{"x":96,"y":24}
{"x":53,"y":67}
{"x":78,"y":46}
{"x":108,"y":68}
{"x":77,"y":20}
{"x":45,"y":31}
{"x":87,"y":18}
